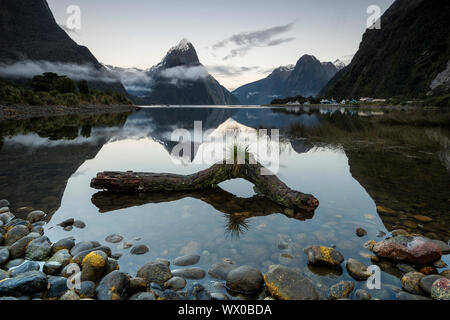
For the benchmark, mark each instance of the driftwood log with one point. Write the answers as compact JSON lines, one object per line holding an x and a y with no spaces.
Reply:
{"x":268,"y":185}
{"x":218,"y":198}
{"x":236,"y":210}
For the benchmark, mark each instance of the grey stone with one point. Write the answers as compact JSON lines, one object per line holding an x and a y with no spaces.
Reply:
{"x":14,"y":263}
{"x":175,"y":283}
{"x":137,"y":285}
{"x":18,"y":248}
{"x":245,"y":279}
{"x":79,"y":224}
{"x":66,"y":243}
{"x":360,"y":232}
{"x":111,"y":265}
{"x":39,"y":249}
{"x":16,"y":233}
{"x":6,"y":217}
{"x":4,"y":255}
{"x":27,"y":266}
{"x":38,"y":227}
{"x":187,"y":260}
{"x":52,"y":267}
{"x":35,"y":216}
{"x":24,"y":284}
{"x":139,"y":250}
{"x":154,"y":272}
{"x":63,"y":257}
{"x":286,"y":283}
{"x":114,"y":286}
{"x":189,"y":273}
{"x":67,"y":223}
{"x":143,"y":296}
{"x":83,"y":246}
{"x":220,"y":270}
{"x":18,"y":222}
{"x":4,"y":209}
{"x":163,"y":261}
{"x":86,"y":290}
{"x":57,"y":287}
{"x":114,"y":238}
{"x":357,"y":270}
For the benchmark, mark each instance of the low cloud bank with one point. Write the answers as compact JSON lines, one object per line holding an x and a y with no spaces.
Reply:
{"x":184,"y":73}
{"x":28,"y":69}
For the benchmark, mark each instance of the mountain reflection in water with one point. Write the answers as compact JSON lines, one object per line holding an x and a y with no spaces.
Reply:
{"x":353,"y":162}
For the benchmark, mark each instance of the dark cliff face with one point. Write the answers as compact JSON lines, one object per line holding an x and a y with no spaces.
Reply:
{"x":29,"y":32}
{"x":180,"y":79}
{"x":307,"y":78}
{"x":401,"y":59}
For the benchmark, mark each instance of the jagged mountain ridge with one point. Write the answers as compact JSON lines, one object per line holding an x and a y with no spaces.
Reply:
{"x":306,"y":78}
{"x":179,"y":79}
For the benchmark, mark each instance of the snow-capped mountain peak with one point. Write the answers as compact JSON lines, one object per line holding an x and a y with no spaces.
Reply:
{"x":339,"y":64}
{"x":183,"y":46}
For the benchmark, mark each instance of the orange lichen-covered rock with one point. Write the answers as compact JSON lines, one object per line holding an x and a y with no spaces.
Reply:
{"x":285,"y":283}
{"x":324,"y":256}
{"x":93,"y":266}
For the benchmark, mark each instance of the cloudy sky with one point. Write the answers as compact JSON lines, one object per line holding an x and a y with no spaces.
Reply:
{"x":239,"y":41}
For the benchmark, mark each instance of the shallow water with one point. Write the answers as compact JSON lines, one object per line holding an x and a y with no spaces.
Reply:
{"x":48,"y":164}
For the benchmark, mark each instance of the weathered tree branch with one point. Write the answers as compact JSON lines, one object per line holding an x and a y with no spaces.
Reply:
{"x":268,"y":185}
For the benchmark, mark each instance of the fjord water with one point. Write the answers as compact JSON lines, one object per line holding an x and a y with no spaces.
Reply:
{"x":47,"y":164}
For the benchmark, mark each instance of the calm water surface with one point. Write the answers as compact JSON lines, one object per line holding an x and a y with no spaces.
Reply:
{"x":48,"y":164}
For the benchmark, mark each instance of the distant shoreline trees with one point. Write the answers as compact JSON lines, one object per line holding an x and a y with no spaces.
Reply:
{"x":53,"y":89}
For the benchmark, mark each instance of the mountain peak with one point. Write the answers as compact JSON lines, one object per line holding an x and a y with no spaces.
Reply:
{"x":308,"y":58}
{"x":182,"y":54}
{"x":339,"y":64}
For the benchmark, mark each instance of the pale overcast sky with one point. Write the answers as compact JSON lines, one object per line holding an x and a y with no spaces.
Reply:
{"x":239,"y":41}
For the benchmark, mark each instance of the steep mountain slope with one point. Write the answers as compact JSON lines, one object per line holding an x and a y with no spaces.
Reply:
{"x":306,"y":78}
{"x":265,"y":90}
{"x":180,"y":78}
{"x":403,"y":58}
{"x":29,"y":32}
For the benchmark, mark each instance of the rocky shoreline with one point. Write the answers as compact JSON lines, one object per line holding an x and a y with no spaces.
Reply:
{"x":22,"y":112}
{"x":34,"y":268}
